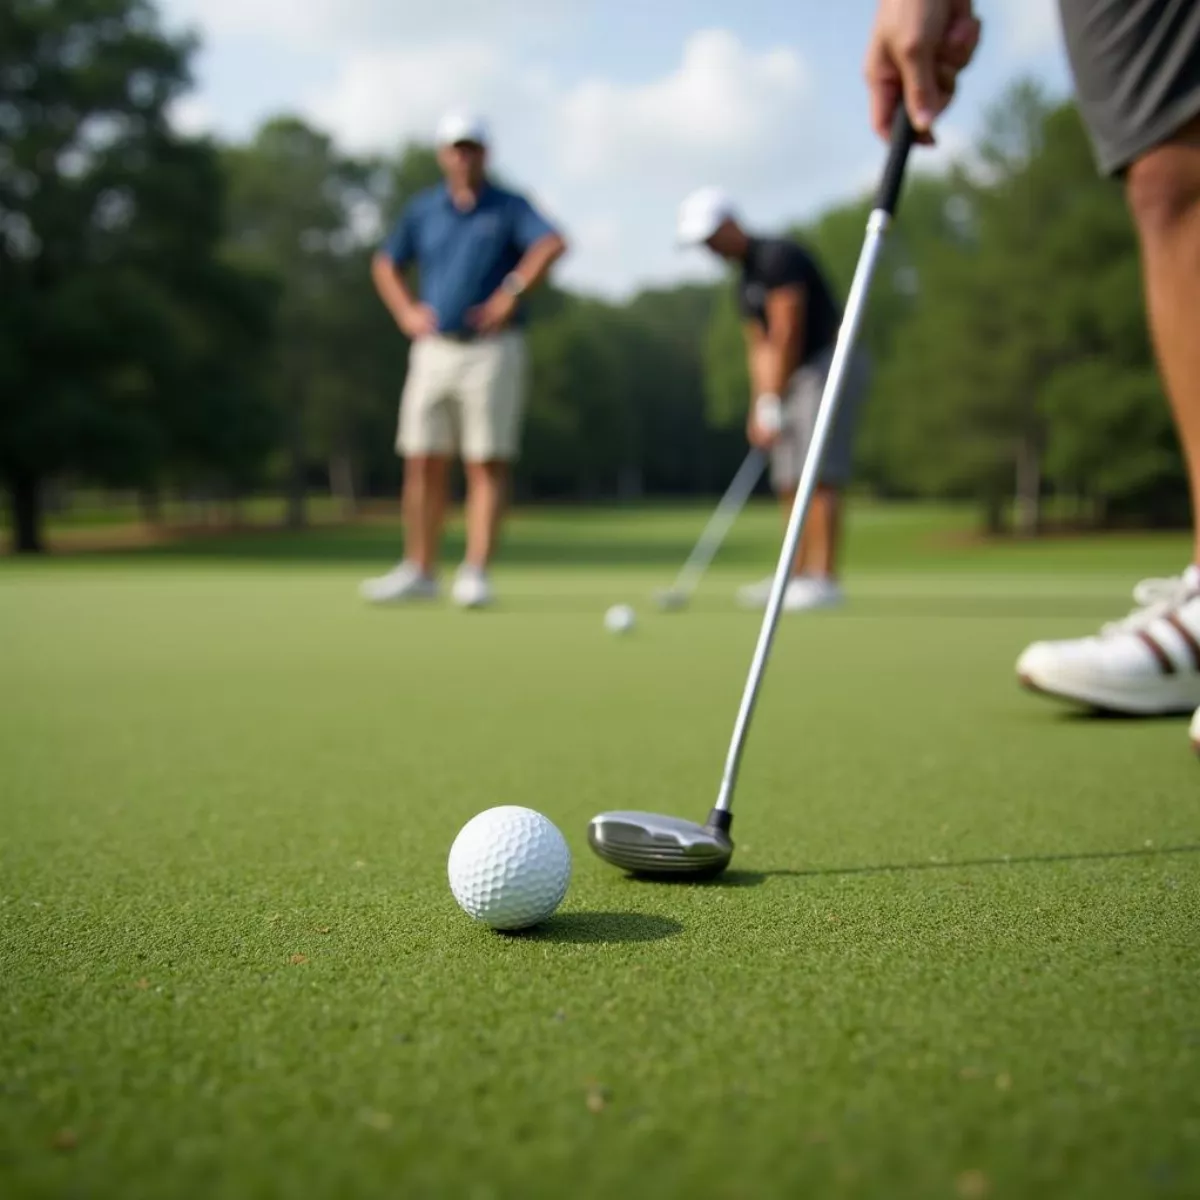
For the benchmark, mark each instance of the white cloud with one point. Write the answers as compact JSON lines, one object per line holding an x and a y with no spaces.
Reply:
{"x":325,"y":25}
{"x":1028,"y":27}
{"x":723,"y":113}
{"x":381,"y":97}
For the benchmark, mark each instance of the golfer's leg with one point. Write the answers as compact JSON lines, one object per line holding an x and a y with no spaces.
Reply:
{"x":423,"y":502}
{"x":424,"y":439}
{"x":1136,"y":68}
{"x":1163,"y":187}
{"x":493,"y":405}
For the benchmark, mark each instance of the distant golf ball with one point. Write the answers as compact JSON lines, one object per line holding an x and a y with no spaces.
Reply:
{"x":619,"y":619}
{"x":509,"y":867}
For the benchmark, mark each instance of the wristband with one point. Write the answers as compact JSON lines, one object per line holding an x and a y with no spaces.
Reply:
{"x":513,"y":284}
{"x":768,"y":412}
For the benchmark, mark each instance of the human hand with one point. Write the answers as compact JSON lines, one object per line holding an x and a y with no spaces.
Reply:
{"x":765,"y":423}
{"x":494,"y":313}
{"x":916,"y":51}
{"x":418,"y":321}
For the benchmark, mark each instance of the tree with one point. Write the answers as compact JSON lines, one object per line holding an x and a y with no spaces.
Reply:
{"x":108,"y":230}
{"x":292,"y":213}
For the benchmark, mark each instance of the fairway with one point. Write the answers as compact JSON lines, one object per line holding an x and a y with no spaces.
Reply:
{"x":955,"y":954}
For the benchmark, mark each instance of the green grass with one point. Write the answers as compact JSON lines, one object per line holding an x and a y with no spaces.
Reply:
{"x":956,"y":954}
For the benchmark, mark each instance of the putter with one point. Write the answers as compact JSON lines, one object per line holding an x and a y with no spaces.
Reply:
{"x":649,"y":844}
{"x":740,"y":488}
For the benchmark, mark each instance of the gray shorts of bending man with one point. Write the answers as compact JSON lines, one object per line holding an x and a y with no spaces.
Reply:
{"x":478,"y":249}
{"x":791,"y":323}
{"x":1136,"y":66}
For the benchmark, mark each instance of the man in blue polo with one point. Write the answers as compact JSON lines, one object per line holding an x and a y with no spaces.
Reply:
{"x":478,"y":249}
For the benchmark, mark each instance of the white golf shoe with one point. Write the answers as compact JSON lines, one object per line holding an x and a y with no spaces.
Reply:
{"x":809,"y":593}
{"x":472,"y":589}
{"x":1146,"y":664}
{"x":405,"y":581}
{"x":1196,"y":732}
{"x":804,"y":593}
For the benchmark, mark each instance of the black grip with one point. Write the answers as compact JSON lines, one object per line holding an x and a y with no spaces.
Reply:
{"x":903,"y":135}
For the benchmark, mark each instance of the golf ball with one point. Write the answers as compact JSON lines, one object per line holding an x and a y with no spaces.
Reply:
{"x":509,"y":867}
{"x":619,"y":619}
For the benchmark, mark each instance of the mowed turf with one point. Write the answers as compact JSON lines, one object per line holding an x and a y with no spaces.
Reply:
{"x":956,"y":954}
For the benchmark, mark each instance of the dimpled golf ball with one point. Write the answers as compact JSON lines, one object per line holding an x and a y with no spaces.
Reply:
{"x":509,"y":867}
{"x":619,"y":619}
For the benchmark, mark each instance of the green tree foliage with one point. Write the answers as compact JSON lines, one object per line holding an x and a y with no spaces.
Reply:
{"x":127,"y":346}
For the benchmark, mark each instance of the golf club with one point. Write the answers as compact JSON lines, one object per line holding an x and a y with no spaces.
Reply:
{"x":654,"y":845}
{"x":736,"y":494}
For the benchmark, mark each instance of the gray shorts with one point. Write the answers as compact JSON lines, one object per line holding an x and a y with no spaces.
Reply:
{"x":1136,"y":65}
{"x":800,"y":407}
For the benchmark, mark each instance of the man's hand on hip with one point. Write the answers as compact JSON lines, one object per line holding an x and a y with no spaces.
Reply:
{"x":494,"y":313}
{"x":916,"y":51}
{"x":417,"y":321}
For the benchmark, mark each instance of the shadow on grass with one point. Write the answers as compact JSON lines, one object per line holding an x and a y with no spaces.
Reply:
{"x":599,"y":928}
{"x":727,"y":879}
{"x":1008,"y":860}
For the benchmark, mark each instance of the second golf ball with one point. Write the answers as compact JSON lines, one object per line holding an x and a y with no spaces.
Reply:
{"x":619,"y":619}
{"x":509,"y":867}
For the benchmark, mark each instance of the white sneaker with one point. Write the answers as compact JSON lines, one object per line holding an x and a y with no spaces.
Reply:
{"x":471,"y":588}
{"x":1148,"y":663}
{"x":405,"y":581}
{"x":1196,"y":732}
{"x":808,"y":593}
{"x":803,"y":592}
{"x":755,"y":595}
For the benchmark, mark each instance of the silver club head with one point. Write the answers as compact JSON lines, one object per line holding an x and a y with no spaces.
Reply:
{"x":670,"y":600}
{"x":652,"y":844}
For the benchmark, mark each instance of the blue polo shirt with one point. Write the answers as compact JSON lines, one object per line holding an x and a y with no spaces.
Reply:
{"x":462,"y":257}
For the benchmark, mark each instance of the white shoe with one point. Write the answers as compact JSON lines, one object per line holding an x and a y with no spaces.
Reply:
{"x":1146,"y":664}
{"x":471,"y":588}
{"x":755,"y":595}
{"x":405,"y":581}
{"x":803,"y":592}
{"x":808,"y":593}
{"x":1196,"y":732}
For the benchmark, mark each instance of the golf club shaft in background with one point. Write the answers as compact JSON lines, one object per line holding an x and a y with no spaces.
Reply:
{"x":736,"y":495}
{"x":877,"y":226}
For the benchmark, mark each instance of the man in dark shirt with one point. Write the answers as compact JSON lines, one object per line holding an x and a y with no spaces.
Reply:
{"x":478,"y":249}
{"x":791,"y":323}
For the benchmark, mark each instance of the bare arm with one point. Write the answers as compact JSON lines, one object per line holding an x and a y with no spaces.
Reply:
{"x":497,"y":310}
{"x":774,"y":354}
{"x":414,"y":319}
{"x":538,"y":259}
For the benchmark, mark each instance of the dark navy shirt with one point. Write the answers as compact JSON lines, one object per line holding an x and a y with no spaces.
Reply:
{"x":779,"y":262}
{"x":462,"y":256}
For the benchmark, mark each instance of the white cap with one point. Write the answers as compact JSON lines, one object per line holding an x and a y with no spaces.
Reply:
{"x":702,"y":214}
{"x":461,"y":126}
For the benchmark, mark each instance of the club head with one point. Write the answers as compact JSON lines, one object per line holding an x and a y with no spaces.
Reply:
{"x":651,"y":844}
{"x":669,"y":600}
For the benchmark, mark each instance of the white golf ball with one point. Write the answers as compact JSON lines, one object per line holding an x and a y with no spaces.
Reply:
{"x":619,"y":619}
{"x":509,"y":867}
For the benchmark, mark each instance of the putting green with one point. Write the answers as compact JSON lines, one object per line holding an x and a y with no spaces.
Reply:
{"x":956,"y":954}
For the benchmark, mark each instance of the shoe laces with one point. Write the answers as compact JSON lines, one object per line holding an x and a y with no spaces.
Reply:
{"x":1154,"y":598}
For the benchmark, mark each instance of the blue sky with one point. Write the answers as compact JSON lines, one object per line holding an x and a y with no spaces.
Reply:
{"x":606,"y":114}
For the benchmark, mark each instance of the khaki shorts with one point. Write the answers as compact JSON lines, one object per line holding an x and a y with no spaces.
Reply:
{"x":467,"y":396}
{"x":800,"y":407}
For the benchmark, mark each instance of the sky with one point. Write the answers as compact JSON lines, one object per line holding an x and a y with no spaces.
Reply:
{"x":605,"y":115}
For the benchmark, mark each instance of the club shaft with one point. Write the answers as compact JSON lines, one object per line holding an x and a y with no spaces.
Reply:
{"x":877,"y":227}
{"x":726,"y":513}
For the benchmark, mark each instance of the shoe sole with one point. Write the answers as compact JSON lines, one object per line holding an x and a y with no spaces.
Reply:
{"x":1173,"y":703}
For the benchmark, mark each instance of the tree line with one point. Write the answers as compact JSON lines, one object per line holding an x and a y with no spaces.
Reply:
{"x":181,"y":314}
